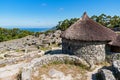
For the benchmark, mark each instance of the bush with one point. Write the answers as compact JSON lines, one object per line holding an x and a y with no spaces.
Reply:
{"x":15,"y":33}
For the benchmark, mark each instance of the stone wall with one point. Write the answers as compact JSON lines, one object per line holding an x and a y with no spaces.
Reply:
{"x":93,"y":52}
{"x":111,"y":57}
{"x":31,"y":43}
{"x":28,"y":56}
{"x":47,"y":59}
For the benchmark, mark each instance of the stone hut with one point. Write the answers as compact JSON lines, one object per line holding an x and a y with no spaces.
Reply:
{"x":87,"y":39}
{"x":115,"y":45}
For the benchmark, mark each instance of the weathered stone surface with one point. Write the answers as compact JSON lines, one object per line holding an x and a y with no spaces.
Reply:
{"x":116,"y":68}
{"x":111,"y":57}
{"x":58,"y":57}
{"x":57,"y":75}
{"x":10,"y":75}
{"x":18,"y":44}
{"x":116,"y":65}
{"x":54,"y":73}
{"x":38,"y":62}
{"x":11,"y":72}
{"x":26,"y":73}
{"x":15,"y":54}
{"x":27,"y":56}
{"x":106,"y":74}
{"x":93,"y":52}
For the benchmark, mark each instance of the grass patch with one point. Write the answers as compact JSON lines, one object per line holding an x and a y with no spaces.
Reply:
{"x":17,"y":50}
{"x":2,"y":65}
{"x":68,"y":62}
{"x":56,"y":62}
{"x":45,"y":48}
{"x":105,"y":63}
{"x":65,"y":68}
{"x":54,"y":45}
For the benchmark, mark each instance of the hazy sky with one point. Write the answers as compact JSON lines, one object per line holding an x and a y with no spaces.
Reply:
{"x":47,"y":13}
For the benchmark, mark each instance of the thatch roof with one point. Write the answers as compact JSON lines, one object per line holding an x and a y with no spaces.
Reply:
{"x":116,"y":41}
{"x":85,"y":29}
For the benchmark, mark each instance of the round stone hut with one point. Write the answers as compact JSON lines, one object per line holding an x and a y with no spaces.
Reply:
{"x":87,"y":39}
{"x":115,"y":45}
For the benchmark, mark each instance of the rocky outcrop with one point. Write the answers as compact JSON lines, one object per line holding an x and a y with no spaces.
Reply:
{"x":24,"y":57}
{"x":47,"y":59}
{"x":112,"y":73}
{"x":56,"y":75}
{"x":31,"y":42}
{"x":11,"y":72}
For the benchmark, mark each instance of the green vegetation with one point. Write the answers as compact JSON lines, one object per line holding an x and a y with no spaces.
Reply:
{"x":106,"y":20}
{"x":45,"y":48}
{"x":67,"y":62}
{"x":15,"y":33}
{"x":63,"y":25}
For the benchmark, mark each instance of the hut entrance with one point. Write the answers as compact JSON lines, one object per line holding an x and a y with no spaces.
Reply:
{"x":68,"y":47}
{"x":107,"y":49}
{"x":115,"y":49}
{"x":70,"y":50}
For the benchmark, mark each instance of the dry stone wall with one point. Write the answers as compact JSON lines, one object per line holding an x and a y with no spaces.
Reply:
{"x":90,"y":51}
{"x":31,"y":42}
{"x":47,"y":59}
{"x":111,"y":57}
{"x":27,"y":56}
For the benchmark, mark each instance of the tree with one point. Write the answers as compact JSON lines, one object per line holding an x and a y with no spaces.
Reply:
{"x":15,"y":33}
{"x":63,"y":25}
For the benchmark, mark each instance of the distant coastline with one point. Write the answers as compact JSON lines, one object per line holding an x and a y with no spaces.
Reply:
{"x":31,"y":29}
{"x":35,"y":29}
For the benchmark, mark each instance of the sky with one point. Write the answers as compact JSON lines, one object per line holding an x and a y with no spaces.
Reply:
{"x":47,"y":13}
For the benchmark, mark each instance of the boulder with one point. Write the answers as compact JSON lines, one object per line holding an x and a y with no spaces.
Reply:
{"x":106,"y":74}
{"x":10,"y":75}
{"x":11,"y":72}
{"x":54,"y":73}
{"x":26,"y":73}
{"x":116,"y":68}
{"x":111,"y":57}
{"x":46,"y":41}
{"x":15,"y":54}
{"x":44,"y":45}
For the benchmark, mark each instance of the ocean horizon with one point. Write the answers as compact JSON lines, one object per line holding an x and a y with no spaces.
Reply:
{"x":32,"y":29}
{"x":35,"y":29}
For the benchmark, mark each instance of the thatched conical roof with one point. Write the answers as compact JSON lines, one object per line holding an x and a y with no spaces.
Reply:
{"x":85,"y":29}
{"x":116,"y":41}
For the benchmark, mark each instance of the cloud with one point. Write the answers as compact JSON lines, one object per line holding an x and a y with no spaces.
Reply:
{"x":61,"y":9}
{"x":43,"y":4}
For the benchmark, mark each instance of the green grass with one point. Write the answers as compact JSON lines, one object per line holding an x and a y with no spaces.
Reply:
{"x":67,"y":61}
{"x":2,"y":65}
{"x":45,"y":48}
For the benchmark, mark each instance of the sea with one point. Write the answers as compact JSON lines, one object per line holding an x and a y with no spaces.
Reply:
{"x":35,"y":29}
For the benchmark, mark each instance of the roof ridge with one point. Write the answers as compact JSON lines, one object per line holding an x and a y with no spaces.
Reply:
{"x":85,"y":16}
